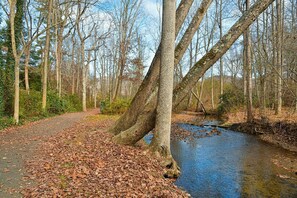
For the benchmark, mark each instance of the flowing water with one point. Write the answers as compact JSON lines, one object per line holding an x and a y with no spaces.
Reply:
{"x":232,"y":164}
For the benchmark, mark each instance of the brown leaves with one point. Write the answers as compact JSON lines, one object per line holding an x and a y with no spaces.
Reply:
{"x":83,"y":162}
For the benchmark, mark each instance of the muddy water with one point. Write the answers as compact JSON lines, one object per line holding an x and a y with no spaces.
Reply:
{"x":233,"y":164}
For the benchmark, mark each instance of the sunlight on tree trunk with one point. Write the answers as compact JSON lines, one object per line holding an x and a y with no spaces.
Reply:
{"x":46,"y":56}
{"x":161,"y":140}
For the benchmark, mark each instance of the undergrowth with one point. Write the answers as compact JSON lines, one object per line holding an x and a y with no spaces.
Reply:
{"x":117,"y":107}
{"x":31,"y":107}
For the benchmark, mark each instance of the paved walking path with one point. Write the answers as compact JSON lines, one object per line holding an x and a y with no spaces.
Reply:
{"x":19,"y":144}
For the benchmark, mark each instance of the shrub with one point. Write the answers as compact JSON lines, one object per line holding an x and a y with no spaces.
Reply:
{"x":6,"y":122}
{"x":75,"y":103}
{"x":232,"y":99}
{"x":117,"y":107}
{"x":30,"y":104}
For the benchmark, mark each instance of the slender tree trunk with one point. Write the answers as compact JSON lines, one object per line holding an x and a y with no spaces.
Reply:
{"x":274,"y":58}
{"x":27,"y":59}
{"x":73,"y":66}
{"x":12,"y":5}
{"x":46,"y":56}
{"x":199,"y":100}
{"x":84,"y":77}
{"x":212,"y":90}
{"x":221,"y":59}
{"x":248,"y":66}
{"x":95,"y":80}
{"x":278,"y":108}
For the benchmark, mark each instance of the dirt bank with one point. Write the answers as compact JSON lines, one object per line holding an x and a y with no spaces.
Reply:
{"x":280,"y":129}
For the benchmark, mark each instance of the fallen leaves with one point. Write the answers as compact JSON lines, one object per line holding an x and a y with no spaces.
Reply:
{"x":84,"y":162}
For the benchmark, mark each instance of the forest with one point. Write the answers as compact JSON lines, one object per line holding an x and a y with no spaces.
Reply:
{"x":120,"y":92}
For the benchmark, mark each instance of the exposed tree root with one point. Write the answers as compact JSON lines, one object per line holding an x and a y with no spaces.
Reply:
{"x":144,"y":124}
{"x":172,"y":170}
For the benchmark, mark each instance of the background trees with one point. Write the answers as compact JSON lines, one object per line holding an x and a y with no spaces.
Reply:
{"x":102,"y":55}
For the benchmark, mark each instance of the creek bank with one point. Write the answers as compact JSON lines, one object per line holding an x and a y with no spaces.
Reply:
{"x":282,"y":133}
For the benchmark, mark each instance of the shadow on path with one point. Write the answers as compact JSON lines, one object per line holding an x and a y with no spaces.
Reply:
{"x":18,"y":144}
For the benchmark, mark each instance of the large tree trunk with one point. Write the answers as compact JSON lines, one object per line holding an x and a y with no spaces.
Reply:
{"x":195,"y":73}
{"x":150,"y":81}
{"x":161,"y":140}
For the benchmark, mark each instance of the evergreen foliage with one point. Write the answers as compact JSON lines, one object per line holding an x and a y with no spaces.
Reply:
{"x":117,"y":107}
{"x":232,"y":99}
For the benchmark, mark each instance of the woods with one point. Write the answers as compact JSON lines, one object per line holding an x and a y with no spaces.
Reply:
{"x":121,"y":56}
{"x":147,"y":62}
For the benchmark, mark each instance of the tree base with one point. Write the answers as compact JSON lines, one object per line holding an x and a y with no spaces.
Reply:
{"x":172,"y":170}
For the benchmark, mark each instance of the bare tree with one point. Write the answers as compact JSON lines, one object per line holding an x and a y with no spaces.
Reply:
{"x":46,"y":54}
{"x":125,"y":18}
{"x":248,"y":68}
{"x":31,"y":36}
{"x":17,"y":57}
{"x":83,"y":36}
{"x":279,"y":61}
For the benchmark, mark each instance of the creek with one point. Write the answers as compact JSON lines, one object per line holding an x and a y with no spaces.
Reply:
{"x":233,"y":164}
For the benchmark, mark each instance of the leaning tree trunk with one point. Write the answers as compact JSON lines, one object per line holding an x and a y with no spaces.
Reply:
{"x":150,"y":81}
{"x":128,"y":136}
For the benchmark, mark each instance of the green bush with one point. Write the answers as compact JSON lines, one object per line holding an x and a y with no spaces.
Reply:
{"x":30,"y":104}
{"x":58,"y":105}
{"x":231,"y":99}
{"x":75,"y":103}
{"x":6,"y":122}
{"x":117,"y":107}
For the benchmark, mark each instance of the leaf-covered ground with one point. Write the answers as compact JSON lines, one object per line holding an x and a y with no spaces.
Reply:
{"x":19,"y":143}
{"x":82,"y":161}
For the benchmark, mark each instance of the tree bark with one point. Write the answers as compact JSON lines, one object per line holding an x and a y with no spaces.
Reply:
{"x":161,"y":139}
{"x":248,"y":66}
{"x":278,"y":107}
{"x":27,"y":59}
{"x":46,"y":56}
{"x":12,"y":5}
{"x":151,"y":79}
{"x":221,"y":59}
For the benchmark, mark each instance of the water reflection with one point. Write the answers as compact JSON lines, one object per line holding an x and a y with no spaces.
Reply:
{"x":231,"y":165}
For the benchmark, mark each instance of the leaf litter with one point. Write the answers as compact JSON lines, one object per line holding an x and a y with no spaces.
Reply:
{"x":83,"y":162}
